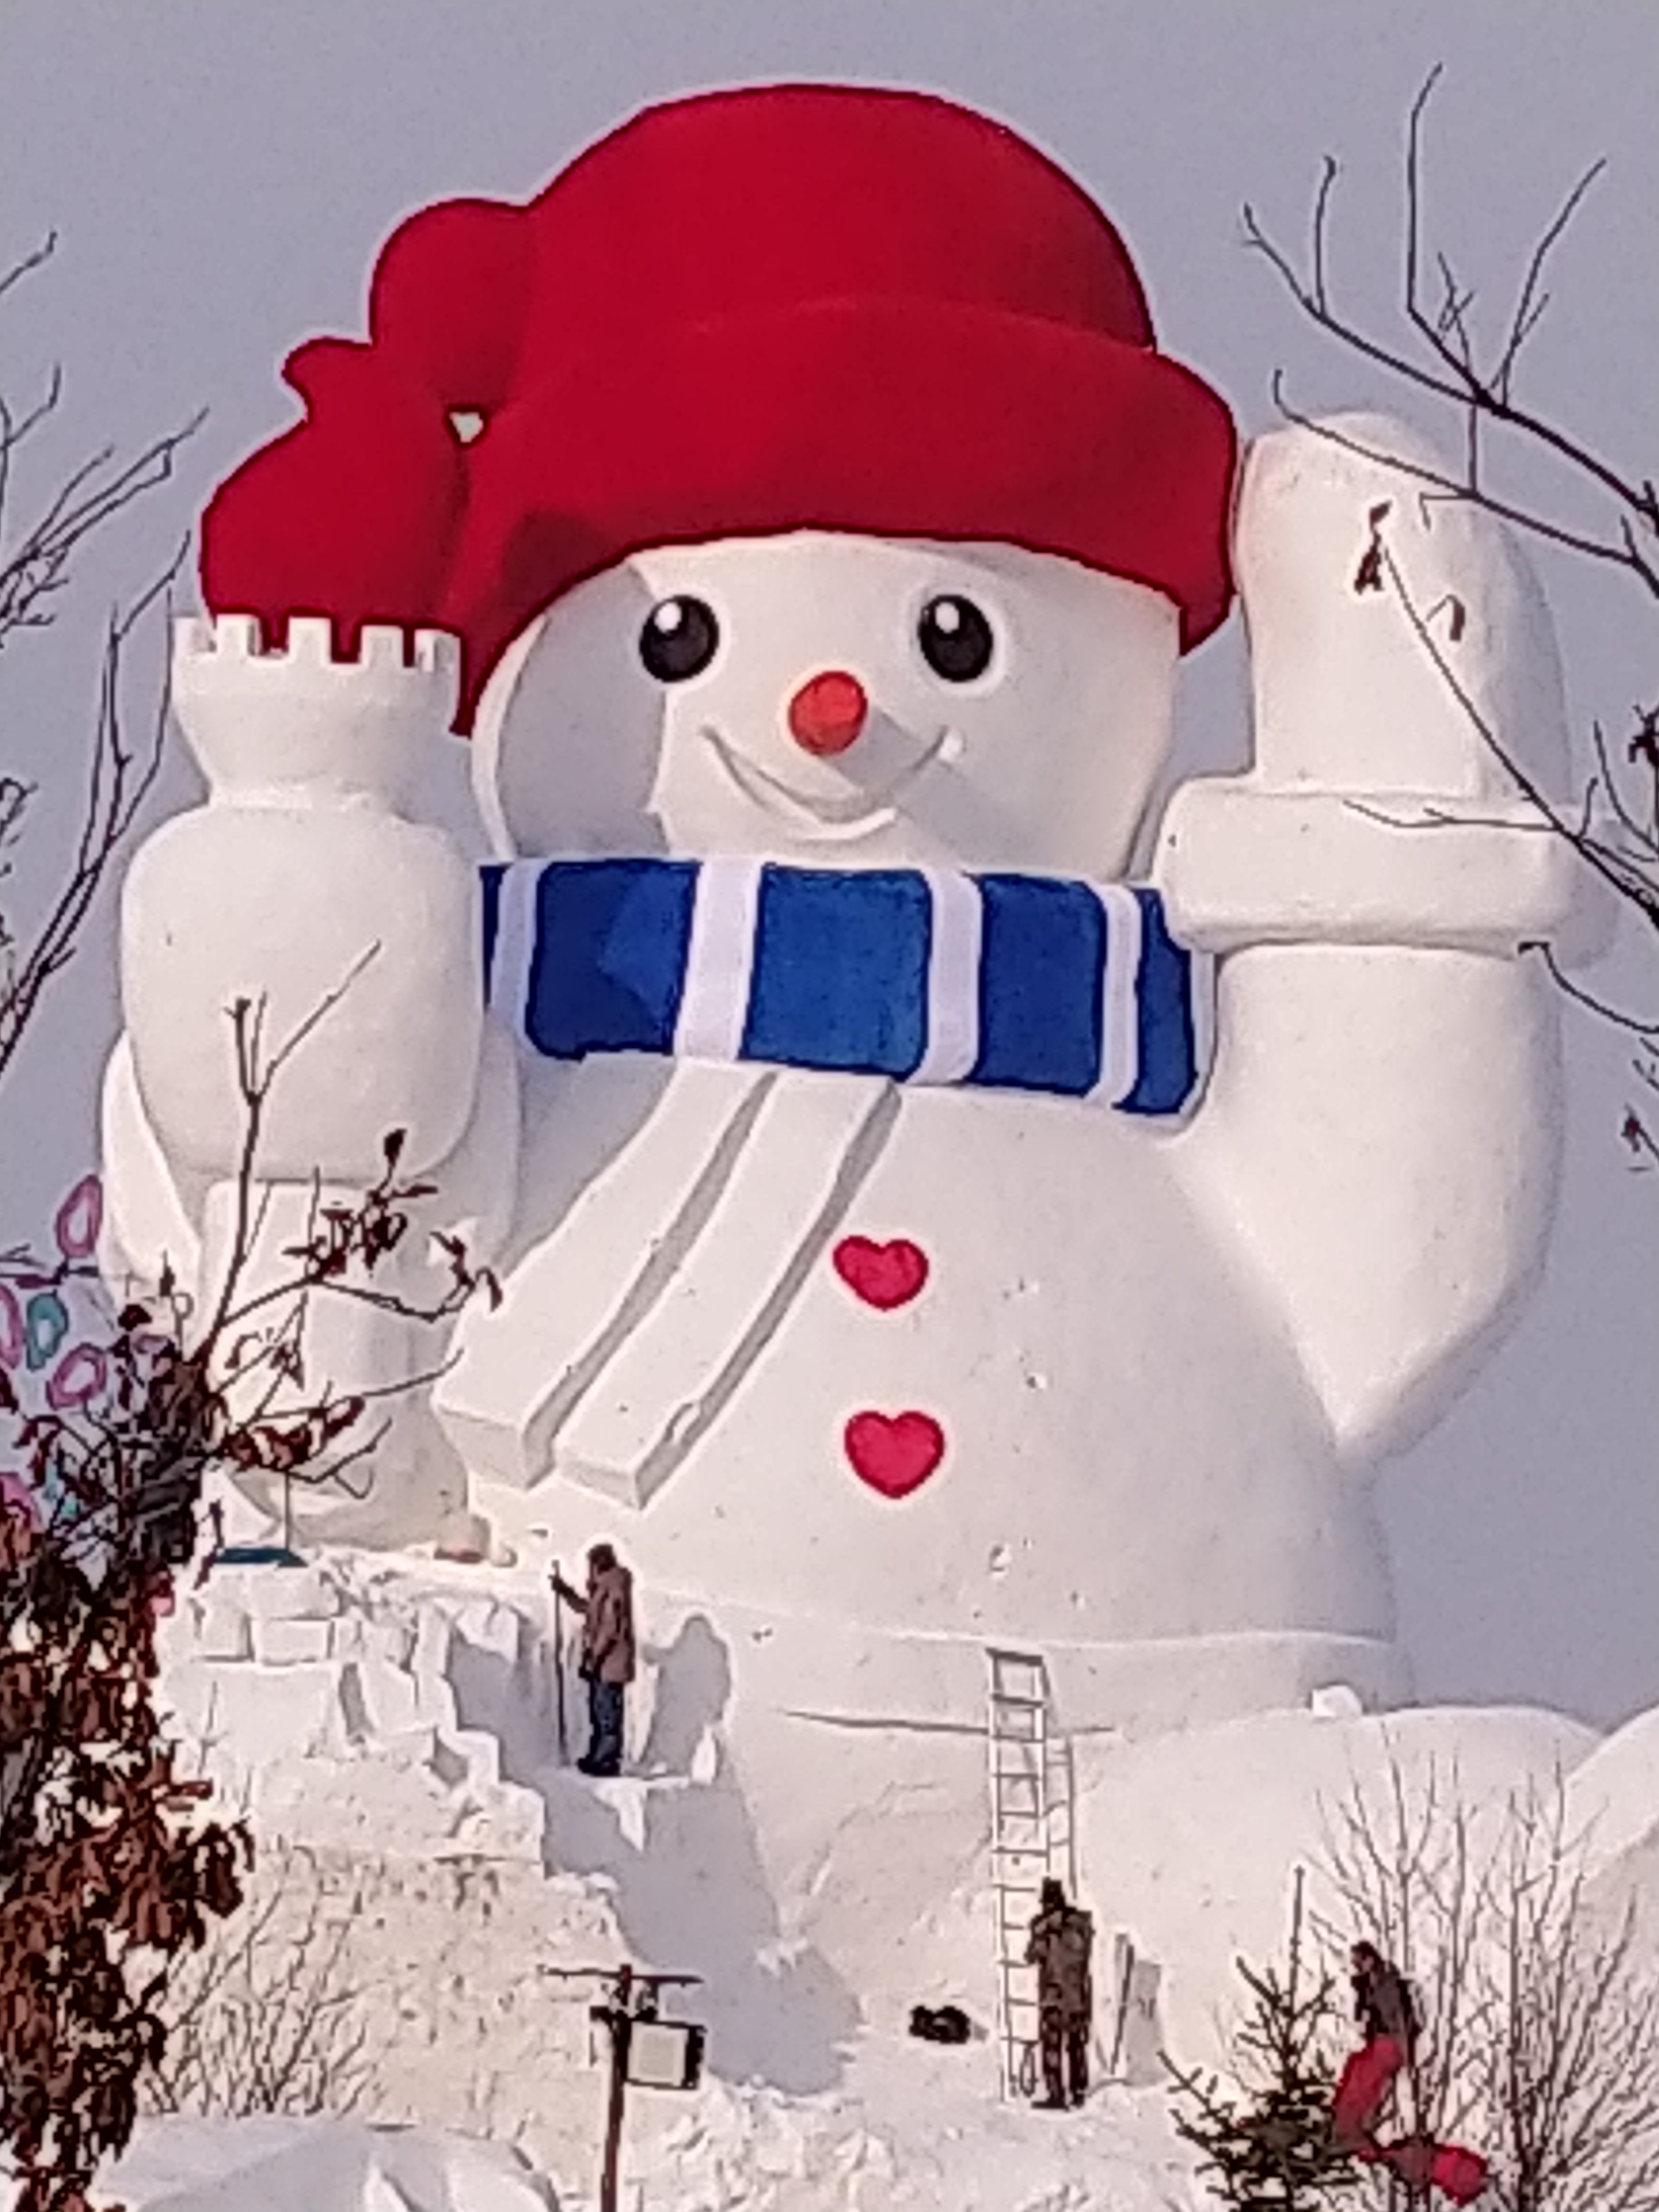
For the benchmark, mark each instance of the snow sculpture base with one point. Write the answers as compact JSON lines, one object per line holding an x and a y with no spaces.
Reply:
{"x":395,"y":1721}
{"x":320,"y":1700}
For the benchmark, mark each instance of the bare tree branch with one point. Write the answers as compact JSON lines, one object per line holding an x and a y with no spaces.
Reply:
{"x":1453,"y":373}
{"x":1615,"y":827}
{"x":1541,"y":2034}
{"x":35,"y":566}
{"x":119,"y":781}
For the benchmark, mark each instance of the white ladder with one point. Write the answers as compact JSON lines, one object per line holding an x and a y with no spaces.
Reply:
{"x":1031,"y":1838}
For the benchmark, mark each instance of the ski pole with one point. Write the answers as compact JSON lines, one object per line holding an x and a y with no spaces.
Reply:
{"x":558,"y":1667}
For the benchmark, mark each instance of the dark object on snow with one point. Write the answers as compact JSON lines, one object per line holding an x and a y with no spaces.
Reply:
{"x":256,"y":1555}
{"x":946,"y":2023}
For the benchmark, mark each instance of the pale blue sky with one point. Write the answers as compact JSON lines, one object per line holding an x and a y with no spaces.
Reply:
{"x":221,"y":172}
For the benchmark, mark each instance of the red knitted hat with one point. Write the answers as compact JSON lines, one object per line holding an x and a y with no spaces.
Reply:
{"x":791,"y":307}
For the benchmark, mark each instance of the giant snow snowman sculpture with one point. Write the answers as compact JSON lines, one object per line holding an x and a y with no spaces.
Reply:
{"x":885,"y":1272}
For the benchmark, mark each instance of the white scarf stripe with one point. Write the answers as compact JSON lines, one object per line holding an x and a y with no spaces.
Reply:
{"x":1204,"y":1016}
{"x":1120,"y":1008}
{"x":953,"y":956}
{"x":515,"y":938}
{"x":714,"y":1001}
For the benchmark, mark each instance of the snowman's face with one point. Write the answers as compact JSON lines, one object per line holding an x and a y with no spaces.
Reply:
{"x":849,"y":701}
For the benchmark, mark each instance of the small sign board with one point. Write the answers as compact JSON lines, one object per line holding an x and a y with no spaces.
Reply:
{"x":1137,"y":2038}
{"x":664,"y":2054}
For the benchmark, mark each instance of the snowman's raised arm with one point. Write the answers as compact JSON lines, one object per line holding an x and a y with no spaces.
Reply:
{"x":304,"y":889}
{"x":1381,"y":1127}
{"x":304,"y":883}
{"x":1378,"y":808}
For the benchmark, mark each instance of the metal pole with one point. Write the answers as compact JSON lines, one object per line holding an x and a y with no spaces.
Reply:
{"x":621,"y":2023}
{"x":558,"y":1670}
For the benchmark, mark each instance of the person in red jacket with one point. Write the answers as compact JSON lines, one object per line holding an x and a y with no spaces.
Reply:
{"x":1386,"y":2013}
{"x":607,"y":1654}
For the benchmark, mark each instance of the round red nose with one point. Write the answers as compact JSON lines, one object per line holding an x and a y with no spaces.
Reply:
{"x":828,"y":712}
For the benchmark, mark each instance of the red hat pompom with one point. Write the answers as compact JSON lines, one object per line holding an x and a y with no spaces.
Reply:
{"x":352,"y":513}
{"x":449,"y":297}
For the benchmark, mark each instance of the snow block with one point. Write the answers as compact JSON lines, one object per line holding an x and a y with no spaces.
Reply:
{"x":279,"y":2165}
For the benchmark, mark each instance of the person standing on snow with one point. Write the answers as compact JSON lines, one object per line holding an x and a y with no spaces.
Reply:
{"x":607,"y":1663}
{"x":1061,"y":1940}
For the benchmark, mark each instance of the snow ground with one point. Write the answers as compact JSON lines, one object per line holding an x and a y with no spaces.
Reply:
{"x":916,"y":2125}
{"x":914,"y":2129}
{"x":276,"y":2165}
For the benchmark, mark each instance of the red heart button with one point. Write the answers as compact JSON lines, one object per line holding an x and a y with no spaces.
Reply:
{"x":894,"y":1452}
{"x":884,"y":1275}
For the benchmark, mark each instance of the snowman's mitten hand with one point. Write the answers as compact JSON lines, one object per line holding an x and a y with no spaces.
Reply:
{"x":1404,"y":667}
{"x":1338,"y":538}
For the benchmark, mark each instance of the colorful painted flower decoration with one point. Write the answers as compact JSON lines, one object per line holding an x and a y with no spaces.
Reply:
{"x":80,"y":1219}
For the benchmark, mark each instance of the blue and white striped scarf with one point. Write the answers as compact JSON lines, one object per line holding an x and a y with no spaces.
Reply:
{"x":925,"y":976}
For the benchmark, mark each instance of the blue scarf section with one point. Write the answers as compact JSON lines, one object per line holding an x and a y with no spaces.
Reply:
{"x":924,"y":975}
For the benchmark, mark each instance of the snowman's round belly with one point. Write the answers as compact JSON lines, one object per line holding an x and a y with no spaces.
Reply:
{"x":1013,"y":1390}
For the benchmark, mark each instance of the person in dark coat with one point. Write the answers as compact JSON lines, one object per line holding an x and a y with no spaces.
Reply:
{"x":607,"y":1654}
{"x":1061,"y":1940}
{"x":1383,"y":2001}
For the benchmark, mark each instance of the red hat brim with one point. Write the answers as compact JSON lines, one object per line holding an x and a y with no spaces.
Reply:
{"x":884,"y":416}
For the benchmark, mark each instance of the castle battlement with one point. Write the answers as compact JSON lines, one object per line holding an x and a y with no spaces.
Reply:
{"x":422,"y":656}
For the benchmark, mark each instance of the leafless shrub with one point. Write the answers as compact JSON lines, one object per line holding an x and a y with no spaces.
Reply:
{"x":1571,"y":2070}
{"x":1541,"y":2034}
{"x":109,"y":1877}
{"x":265,"y":2018}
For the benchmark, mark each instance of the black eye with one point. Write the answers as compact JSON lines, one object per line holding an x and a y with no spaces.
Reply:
{"x":679,"y":639}
{"x":955,"y":639}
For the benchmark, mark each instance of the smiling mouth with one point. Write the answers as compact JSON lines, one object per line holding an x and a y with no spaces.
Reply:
{"x":855,"y":816}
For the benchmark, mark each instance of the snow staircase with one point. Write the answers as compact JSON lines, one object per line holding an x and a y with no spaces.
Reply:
{"x":1031,"y":1838}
